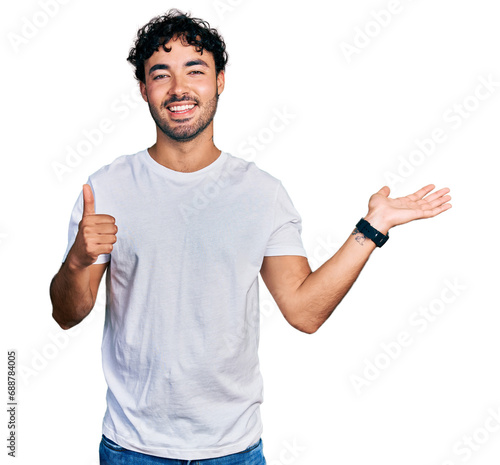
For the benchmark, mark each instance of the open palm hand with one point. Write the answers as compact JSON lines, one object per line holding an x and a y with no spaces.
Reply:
{"x":411,"y":207}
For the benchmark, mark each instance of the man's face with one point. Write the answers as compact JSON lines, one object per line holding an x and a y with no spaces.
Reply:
{"x":182,"y":90}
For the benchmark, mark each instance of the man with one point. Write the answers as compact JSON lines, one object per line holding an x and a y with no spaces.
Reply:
{"x":184,"y":230}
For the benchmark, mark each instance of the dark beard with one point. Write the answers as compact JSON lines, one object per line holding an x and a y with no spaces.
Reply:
{"x":186,"y":133}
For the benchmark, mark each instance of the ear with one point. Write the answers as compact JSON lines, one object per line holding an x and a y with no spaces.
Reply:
{"x":143,"y":90}
{"x":220,"y":82}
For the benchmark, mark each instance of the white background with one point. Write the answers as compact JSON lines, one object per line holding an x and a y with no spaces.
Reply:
{"x":355,"y":118}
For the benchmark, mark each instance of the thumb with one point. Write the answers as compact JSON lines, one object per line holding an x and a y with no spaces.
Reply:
{"x":88,"y":201}
{"x":385,"y":191}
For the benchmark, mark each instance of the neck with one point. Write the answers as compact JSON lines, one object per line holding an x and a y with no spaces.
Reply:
{"x":186,"y":156}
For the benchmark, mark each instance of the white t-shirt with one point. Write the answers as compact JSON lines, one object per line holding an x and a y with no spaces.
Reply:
{"x":181,"y":331}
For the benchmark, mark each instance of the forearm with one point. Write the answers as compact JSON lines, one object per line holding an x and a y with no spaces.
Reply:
{"x":71,"y":295}
{"x":322,"y":290}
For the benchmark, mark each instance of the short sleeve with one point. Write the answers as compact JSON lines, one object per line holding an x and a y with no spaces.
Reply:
{"x":285,"y":238}
{"x":76,"y":217}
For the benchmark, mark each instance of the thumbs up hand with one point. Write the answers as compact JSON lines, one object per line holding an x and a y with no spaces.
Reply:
{"x":88,"y":201}
{"x":96,"y":234}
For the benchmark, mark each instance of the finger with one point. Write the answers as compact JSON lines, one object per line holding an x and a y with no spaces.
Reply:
{"x":105,"y":239}
{"x":102,"y":249}
{"x":106,"y":228}
{"x":421,"y":192}
{"x":436,"y":195}
{"x":436,"y":203}
{"x":101,"y":218}
{"x":437,"y":210}
{"x":88,"y":201}
{"x":385,"y":191}
{"x":440,"y":194}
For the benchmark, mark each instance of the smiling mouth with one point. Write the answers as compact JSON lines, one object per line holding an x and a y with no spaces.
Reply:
{"x":180,"y":109}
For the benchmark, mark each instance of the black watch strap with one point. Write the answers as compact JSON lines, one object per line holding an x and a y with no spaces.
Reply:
{"x":371,"y":233}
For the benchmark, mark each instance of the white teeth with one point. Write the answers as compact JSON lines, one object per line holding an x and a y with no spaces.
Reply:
{"x":181,"y":108}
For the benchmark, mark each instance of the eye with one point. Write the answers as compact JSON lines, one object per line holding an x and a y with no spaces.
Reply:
{"x":196,"y":72}
{"x":158,"y":76}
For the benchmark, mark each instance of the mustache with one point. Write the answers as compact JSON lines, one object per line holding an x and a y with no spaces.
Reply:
{"x":175,"y":100}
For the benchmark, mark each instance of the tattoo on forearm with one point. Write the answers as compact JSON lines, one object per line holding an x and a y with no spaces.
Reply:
{"x":360,"y":237}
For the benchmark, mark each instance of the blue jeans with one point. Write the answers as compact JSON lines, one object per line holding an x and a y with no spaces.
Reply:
{"x":111,"y":453}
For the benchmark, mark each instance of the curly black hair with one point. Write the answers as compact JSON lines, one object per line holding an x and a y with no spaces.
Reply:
{"x":161,"y":29}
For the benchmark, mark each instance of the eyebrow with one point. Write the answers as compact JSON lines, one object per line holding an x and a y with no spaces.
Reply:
{"x":199,"y":61}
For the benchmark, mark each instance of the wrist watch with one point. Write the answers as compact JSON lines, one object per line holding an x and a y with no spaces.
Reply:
{"x":371,"y":233}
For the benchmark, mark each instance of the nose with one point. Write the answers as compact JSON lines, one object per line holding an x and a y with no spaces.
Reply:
{"x":178,"y":86}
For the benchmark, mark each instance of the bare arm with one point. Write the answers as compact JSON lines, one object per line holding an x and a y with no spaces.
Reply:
{"x":73,"y":293}
{"x":307,"y":298}
{"x":73,"y":289}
